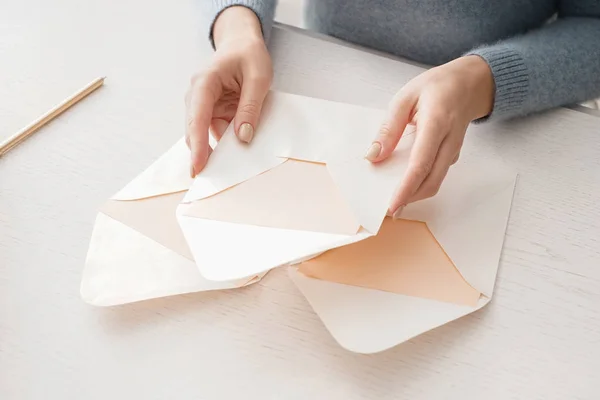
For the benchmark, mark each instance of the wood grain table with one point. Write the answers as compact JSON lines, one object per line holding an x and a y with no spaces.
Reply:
{"x":538,"y":339}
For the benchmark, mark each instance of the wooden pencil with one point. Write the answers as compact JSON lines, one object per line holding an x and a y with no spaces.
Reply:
{"x":30,"y":129}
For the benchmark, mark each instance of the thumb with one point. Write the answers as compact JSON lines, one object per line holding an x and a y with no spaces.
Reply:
{"x":392,"y":129}
{"x":252,"y":97}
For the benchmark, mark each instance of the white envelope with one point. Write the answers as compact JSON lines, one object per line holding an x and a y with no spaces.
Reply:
{"x":137,"y":251}
{"x":300,"y":188}
{"x":468,"y":219}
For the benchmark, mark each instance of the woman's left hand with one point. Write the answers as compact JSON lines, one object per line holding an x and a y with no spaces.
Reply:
{"x":441,"y":102}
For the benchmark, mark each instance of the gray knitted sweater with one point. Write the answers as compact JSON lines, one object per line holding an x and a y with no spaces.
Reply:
{"x":543,"y":53}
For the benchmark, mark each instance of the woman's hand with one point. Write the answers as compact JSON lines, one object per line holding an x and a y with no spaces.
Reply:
{"x":441,"y":102}
{"x":233,"y":87}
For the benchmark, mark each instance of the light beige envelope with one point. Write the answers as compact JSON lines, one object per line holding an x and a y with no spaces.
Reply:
{"x":437,"y":264}
{"x":301,"y":187}
{"x":137,"y":250}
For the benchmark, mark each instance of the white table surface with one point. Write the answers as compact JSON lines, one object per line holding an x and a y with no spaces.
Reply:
{"x":538,"y":339}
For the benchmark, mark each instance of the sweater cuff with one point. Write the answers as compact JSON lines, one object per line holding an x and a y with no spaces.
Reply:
{"x":263,"y":11}
{"x":510,"y":77}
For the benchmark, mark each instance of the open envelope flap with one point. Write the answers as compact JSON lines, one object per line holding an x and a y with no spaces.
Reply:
{"x":168,"y":174}
{"x":368,"y":187}
{"x":468,"y":217}
{"x":124,"y":266}
{"x":256,"y":249}
{"x":232,"y":162}
{"x":369,"y":321}
{"x":312,"y":129}
{"x":291,"y":126}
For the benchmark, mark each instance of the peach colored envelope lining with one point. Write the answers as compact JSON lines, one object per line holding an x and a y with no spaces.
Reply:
{"x":402,"y":258}
{"x":153,"y":217}
{"x":293,"y":195}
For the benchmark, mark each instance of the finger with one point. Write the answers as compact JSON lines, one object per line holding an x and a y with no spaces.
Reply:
{"x":226,"y":109}
{"x":218,"y":128}
{"x":429,"y":136}
{"x":200,"y":109}
{"x":254,"y":91}
{"x":392,"y":129}
{"x":456,"y":157}
{"x":445,"y":158}
{"x":188,"y":96}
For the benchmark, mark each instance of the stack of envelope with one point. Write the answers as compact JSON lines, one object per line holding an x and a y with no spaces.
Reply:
{"x":302,"y":196}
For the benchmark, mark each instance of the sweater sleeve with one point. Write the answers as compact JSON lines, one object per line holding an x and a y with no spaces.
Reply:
{"x":264,"y":10}
{"x":557,"y":64}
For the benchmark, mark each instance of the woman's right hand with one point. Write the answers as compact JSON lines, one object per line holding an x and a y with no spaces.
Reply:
{"x":234,"y":86}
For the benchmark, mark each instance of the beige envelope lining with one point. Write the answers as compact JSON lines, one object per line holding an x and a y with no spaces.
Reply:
{"x":296,"y":195}
{"x":153,"y":217}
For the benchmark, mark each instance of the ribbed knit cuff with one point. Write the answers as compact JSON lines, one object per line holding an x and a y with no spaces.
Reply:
{"x":263,"y":11}
{"x":510,"y":77}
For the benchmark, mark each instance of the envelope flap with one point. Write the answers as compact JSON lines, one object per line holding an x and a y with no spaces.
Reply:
{"x":291,"y":126}
{"x":312,"y":129}
{"x":474,"y":239}
{"x":257,"y":248}
{"x":296,"y":127}
{"x":124,"y":266}
{"x":368,"y":187}
{"x":170,"y":173}
{"x":468,"y":217}
{"x":369,"y":321}
{"x":232,"y":162}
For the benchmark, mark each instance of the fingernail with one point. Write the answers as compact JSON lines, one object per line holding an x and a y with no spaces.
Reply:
{"x":192,"y":172}
{"x":246,"y":132}
{"x":398,"y":212}
{"x":373,"y":151}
